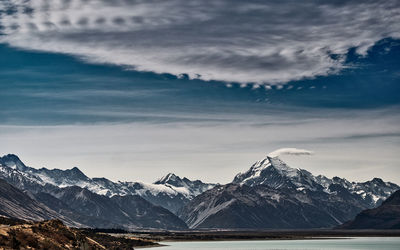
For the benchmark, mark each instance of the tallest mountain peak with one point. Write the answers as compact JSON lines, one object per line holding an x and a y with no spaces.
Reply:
{"x":274,"y":172}
{"x":271,"y":161}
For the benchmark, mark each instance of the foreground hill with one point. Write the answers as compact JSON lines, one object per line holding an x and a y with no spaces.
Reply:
{"x":54,"y":234}
{"x":386,"y":216}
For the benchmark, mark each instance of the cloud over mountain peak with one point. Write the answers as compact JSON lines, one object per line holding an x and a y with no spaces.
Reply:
{"x":290,"y":151}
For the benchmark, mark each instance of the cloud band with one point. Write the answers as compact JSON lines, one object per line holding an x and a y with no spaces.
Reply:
{"x":254,"y":41}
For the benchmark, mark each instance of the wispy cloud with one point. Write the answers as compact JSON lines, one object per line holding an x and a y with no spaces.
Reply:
{"x":354,"y":136}
{"x":235,"y":41}
{"x":290,"y":151}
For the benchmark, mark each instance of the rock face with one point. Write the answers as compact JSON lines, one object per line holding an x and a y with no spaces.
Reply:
{"x":64,"y":209}
{"x":386,"y":216}
{"x":273,"y":195}
{"x":240,"y":206}
{"x":16,"y":204}
{"x":170,"y":192}
{"x":130,"y":212}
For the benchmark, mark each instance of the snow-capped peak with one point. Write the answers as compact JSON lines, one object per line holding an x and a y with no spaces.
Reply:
{"x":274,"y":172}
{"x":170,"y":177}
{"x":12,"y":161}
{"x":270,"y":171}
{"x":177,"y":189}
{"x":282,"y":167}
{"x":184,"y":185}
{"x":257,"y":172}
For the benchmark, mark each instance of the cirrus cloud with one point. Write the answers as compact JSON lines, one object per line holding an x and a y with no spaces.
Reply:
{"x":260,"y":42}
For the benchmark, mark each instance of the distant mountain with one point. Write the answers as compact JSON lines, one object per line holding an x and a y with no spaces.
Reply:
{"x":16,"y":204}
{"x":170,"y":192}
{"x":55,"y":190}
{"x":64,"y":209}
{"x":12,"y":170}
{"x":270,"y":194}
{"x":191,"y":188}
{"x":273,"y":172}
{"x":130,"y":212}
{"x":242,"y":206}
{"x":386,"y":216}
{"x":185,"y":190}
{"x":273,"y":195}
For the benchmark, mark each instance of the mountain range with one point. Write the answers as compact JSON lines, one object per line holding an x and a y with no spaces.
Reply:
{"x":269,"y":195}
{"x":54,"y":191}
{"x":170,"y":191}
{"x":386,"y":216}
{"x":273,"y":195}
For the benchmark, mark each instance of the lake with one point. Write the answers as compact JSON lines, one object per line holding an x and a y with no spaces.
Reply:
{"x":359,"y":243}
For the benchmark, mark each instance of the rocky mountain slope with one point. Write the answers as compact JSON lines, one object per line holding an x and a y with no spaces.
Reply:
{"x":16,"y":204}
{"x":273,"y":172}
{"x":241,"y":206}
{"x":170,"y":192}
{"x":386,"y":216}
{"x":79,"y":207}
{"x":64,"y":209}
{"x":75,"y":205}
{"x":129,"y":211}
{"x":273,"y":195}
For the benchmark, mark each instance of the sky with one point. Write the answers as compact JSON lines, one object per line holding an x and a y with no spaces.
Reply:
{"x":133,"y":90}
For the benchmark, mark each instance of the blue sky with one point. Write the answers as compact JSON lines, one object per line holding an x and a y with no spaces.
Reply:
{"x":132,"y":95}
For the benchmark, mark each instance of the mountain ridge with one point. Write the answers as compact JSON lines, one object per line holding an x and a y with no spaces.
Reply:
{"x":78,"y":205}
{"x":272,"y":171}
{"x":320,"y":201}
{"x":386,"y":216}
{"x":269,"y":187}
{"x":170,"y":194}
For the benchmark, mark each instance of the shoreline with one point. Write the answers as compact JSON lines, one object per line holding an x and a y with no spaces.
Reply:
{"x":175,"y":243}
{"x":182,"y":236}
{"x":263,"y":239}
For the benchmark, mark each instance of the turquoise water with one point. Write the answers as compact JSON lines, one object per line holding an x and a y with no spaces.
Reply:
{"x":381,"y":243}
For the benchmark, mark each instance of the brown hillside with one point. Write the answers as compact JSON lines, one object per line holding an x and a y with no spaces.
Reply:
{"x":53,"y":234}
